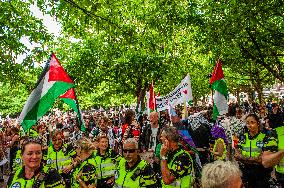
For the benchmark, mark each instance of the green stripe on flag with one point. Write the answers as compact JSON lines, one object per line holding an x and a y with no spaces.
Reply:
{"x":215,"y":112}
{"x":221,"y":86}
{"x":72,"y":103}
{"x":44,"y":104}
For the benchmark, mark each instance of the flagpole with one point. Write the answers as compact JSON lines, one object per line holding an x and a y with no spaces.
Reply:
{"x":79,"y":115}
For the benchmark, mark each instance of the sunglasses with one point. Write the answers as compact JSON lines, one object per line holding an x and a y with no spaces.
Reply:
{"x":129,"y":150}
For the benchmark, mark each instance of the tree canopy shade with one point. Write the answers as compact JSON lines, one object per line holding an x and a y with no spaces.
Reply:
{"x":114,"y":49}
{"x":17,"y":22}
{"x":245,"y":33}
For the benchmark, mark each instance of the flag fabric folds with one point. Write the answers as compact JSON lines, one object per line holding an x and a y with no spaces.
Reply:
{"x":52,"y":83}
{"x":152,"y":98}
{"x":70,"y":98}
{"x":220,"y":89}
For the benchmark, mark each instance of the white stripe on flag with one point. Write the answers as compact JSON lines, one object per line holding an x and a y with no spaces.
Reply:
{"x":221,"y":103}
{"x":36,"y":95}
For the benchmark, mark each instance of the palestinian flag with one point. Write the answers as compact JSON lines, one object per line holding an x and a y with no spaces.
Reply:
{"x":219,"y":86}
{"x":70,"y":98}
{"x":52,"y":83}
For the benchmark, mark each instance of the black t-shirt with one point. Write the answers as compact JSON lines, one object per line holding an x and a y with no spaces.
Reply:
{"x":276,"y":120}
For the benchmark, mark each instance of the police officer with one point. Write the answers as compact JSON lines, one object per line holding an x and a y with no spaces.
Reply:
{"x":249,"y":153}
{"x":273,"y":155}
{"x":176,"y":163}
{"x":84,"y":175}
{"x":32,"y":175}
{"x":131,"y":170}
{"x":105,"y":163}
{"x":57,"y":156}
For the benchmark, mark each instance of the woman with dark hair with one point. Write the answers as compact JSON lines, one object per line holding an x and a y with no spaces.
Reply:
{"x":249,"y":153}
{"x":32,"y":173}
{"x":131,"y":128}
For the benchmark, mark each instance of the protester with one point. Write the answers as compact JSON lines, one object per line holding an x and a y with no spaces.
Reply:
{"x":276,"y":117}
{"x":104,"y":129}
{"x":150,"y":132}
{"x":219,"y":150}
{"x":131,"y":128}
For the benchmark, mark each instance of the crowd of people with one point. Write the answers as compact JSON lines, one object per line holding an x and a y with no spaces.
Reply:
{"x":122,"y":148}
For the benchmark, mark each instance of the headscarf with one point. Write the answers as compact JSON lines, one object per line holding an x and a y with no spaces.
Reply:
{"x":218,"y":132}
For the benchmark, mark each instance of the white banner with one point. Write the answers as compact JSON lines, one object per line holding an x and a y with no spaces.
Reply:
{"x":182,"y":93}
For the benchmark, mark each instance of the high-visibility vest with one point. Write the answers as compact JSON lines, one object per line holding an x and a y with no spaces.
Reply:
{"x":223,"y":157}
{"x":18,"y":162}
{"x":132,"y":178}
{"x":105,"y":166}
{"x":280,"y":134}
{"x":57,"y":159}
{"x":252,"y":147}
{"x":21,"y":182}
{"x":184,"y":181}
{"x":86,"y":176}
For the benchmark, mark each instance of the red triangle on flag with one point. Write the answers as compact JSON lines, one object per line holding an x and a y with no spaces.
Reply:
{"x":70,"y":94}
{"x":217,"y":73}
{"x":57,"y":72}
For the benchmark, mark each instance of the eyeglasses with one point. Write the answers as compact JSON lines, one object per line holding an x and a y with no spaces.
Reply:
{"x":129,"y":150}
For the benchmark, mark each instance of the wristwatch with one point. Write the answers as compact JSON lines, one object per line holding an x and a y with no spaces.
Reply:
{"x":163,"y":158}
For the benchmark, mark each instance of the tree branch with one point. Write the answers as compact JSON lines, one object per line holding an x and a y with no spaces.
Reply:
{"x":92,"y":14}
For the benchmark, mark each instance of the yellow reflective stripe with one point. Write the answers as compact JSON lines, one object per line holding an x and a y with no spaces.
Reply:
{"x":248,"y":149}
{"x":103,"y":165}
{"x":106,"y":173}
{"x":60,"y":160}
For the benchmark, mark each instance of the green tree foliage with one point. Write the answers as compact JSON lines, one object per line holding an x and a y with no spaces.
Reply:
{"x":113,"y":50}
{"x":246,"y":34}
{"x":12,"y":99}
{"x":17,"y":22}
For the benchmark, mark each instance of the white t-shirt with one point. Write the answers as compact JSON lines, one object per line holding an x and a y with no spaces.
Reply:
{"x":153,"y":140}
